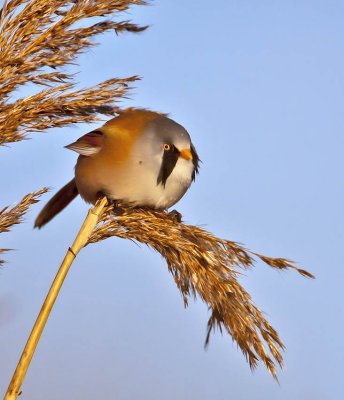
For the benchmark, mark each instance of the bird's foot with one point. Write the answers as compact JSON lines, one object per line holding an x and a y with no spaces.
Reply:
{"x":176,"y":216}
{"x":118,"y":208}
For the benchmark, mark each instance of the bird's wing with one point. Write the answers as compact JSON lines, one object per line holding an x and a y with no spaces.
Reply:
{"x":89,"y":144}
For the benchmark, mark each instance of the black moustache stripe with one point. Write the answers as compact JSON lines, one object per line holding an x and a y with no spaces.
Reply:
{"x":195,"y":161}
{"x":169,"y":161}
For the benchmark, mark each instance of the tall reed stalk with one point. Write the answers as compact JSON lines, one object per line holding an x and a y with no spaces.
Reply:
{"x":80,"y":241}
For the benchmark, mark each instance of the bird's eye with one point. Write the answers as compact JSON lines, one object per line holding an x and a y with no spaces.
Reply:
{"x":166,"y":147}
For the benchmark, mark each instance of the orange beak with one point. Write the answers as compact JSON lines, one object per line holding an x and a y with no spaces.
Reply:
{"x":186,"y":154}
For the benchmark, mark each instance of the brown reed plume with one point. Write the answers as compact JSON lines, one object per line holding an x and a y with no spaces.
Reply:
{"x":207,"y":266}
{"x":10,"y":216}
{"x":37,"y":39}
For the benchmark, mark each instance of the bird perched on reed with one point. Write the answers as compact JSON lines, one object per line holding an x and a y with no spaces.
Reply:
{"x":140,"y":158}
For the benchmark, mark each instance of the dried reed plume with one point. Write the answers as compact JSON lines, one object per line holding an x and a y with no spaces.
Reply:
{"x":37,"y":39}
{"x":12,"y":216}
{"x":205,"y":265}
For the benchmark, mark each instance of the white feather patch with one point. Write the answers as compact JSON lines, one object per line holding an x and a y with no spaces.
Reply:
{"x":83,"y":148}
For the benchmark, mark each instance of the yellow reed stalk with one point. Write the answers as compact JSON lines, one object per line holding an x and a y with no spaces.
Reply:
{"x":80,"y":241}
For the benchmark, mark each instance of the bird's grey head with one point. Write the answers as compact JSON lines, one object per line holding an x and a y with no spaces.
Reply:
{"x":164,"y":142}
{"x":163,"y":130}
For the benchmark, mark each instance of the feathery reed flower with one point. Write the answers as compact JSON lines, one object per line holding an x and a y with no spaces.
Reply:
{"x":207,"y":266}
{"x":10,"y":216}
{"x":37,"y":39}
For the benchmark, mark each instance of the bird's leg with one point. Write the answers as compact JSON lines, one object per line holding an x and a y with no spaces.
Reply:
{"x":176,"y":216}
{"x":117,"y":205}
{"x":118,"y":208}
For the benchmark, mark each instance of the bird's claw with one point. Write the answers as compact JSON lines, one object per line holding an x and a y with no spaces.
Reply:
{"x":176,"y":216}
{"x":118,"y":208}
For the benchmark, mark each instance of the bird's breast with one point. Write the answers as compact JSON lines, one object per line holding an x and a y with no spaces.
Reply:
{"x":133,"y":181}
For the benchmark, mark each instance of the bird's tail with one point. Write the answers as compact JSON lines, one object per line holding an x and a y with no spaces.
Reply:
{"x":57,"y":203}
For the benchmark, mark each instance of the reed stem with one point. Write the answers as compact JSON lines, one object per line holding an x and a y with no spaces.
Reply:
{"x":80,"y":241}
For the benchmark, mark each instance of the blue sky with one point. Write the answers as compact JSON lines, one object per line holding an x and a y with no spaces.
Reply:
{"x":259,"y":86}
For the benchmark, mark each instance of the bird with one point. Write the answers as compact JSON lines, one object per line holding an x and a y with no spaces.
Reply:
{"x":140,"y":158}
